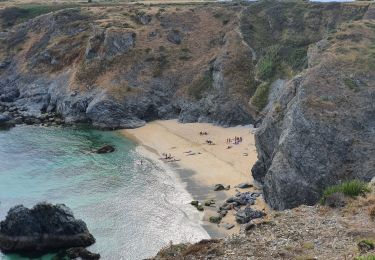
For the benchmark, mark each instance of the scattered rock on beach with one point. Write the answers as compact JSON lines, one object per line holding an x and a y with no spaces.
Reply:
{"x":228,"y":226}
{"x":106,"y":149}
{"x":244,"y":185}
{"x":42,"y":228}
{"x":244,"y":216}
{"x":219,"y":187}
{"x":197,"y":205}
{"x":215,"y":219}
{"x":209,"y":203}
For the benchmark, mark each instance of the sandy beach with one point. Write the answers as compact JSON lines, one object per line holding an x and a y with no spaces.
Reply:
{"x":202,"y":165}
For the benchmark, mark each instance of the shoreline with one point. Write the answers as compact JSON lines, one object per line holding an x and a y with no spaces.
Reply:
{"x":205,"y":165}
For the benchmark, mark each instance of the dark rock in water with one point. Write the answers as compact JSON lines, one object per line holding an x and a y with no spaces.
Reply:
{"x":209,"y":203}
{"x":194,"y":203}
{"x":175,"y":36}
{"x":219,"y":187}
{"x":42,"y":228}
{"x":6,"y":121}
{"x":197,"y":205}
{"x":336,"y":200}
{"x":247,"y":214}
{"x":76,"y":253}
{"x":106,"y":149}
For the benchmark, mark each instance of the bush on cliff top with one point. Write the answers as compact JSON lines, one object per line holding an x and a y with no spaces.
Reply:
{"x":351,"y":188}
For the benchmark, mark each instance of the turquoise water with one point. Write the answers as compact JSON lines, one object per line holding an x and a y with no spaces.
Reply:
{"x":131,"y":209}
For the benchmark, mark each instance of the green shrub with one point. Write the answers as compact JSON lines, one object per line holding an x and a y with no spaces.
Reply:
{"x":268,"y":64}
{"x":260,"y":97}
{"x":351,"y":188}
{"x":368,"y":257}
{"x":351,"y":84}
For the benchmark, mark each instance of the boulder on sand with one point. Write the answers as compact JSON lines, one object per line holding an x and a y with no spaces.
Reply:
{"x":106,"y":149}
{"x":43,"y":228}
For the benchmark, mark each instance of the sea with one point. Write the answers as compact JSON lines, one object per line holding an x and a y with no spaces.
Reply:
{"x":132,"y":203}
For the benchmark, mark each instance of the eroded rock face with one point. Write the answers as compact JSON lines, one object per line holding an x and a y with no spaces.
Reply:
{"x":42,"y":228}
{"x":321,"y":129}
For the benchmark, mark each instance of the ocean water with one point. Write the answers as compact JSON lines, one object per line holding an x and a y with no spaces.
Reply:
{"x":131,"y":209}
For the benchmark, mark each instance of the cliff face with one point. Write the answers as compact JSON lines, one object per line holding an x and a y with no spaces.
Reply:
{"x":321,"y":128}
{"x":120,"y":67}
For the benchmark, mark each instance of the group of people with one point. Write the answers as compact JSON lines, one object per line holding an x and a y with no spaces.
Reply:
{"x":236,"y":140}
{"x":167,"y":156}
{"x":203,"y":133}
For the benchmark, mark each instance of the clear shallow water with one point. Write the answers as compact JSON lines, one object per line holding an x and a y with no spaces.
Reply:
{"x":131,"y":209}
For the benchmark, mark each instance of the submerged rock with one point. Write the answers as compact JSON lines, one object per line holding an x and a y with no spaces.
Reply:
{"x":42,"y":228}
{"x":6,"y":121}
{"x":76,"y":253}
{"x":106,"y":149}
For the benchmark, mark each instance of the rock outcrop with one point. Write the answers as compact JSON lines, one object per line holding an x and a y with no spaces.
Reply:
{"x":320,"y":130}
{"x":42,"y":228}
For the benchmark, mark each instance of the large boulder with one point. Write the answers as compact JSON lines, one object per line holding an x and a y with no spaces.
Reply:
{"x":42,"y":228}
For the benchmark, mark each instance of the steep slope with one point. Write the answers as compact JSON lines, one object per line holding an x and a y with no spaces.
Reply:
{"x":321,"y":129}
{"x":119,"y":67}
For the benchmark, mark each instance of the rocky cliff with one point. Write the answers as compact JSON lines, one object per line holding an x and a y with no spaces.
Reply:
{"x":304,"y":69}
{"x":120,"y":67}
{"x":321,"y":128}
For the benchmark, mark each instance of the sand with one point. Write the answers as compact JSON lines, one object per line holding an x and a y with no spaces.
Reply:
{"x":201,"y":165}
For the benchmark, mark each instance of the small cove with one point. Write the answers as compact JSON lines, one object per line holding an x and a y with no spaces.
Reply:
{"x":131,"y":209}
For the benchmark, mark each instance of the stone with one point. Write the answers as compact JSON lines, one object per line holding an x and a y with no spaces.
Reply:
{"x":215,"y":219}
{"x":244,"y":185}
{"x":219,"y":187}
{"x":106,"y":149}
{"x":43,"y":228}
{"x":243,"y":216}
{"x":228,"y":226}
{"x":6,"y":121}
{"x":209,"y":203}
{"x":76,"y":253}
{"x":143,"y":18}
{"x":194,"y":203}
{"x":175,"y":36}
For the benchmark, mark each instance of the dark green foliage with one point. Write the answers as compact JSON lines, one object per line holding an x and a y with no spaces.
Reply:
{"x":13,"y":15}
{"x":368,"y":257}
{"x":260,"y":97}
{"x":267,"y":65}
{"x":351,"y":84}
{"x":351,"y":188}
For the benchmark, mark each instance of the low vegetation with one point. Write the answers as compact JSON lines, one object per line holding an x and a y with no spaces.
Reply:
{"x":351,"y":188}
{"x":260,"y":97}
{"x":14,"y":15}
